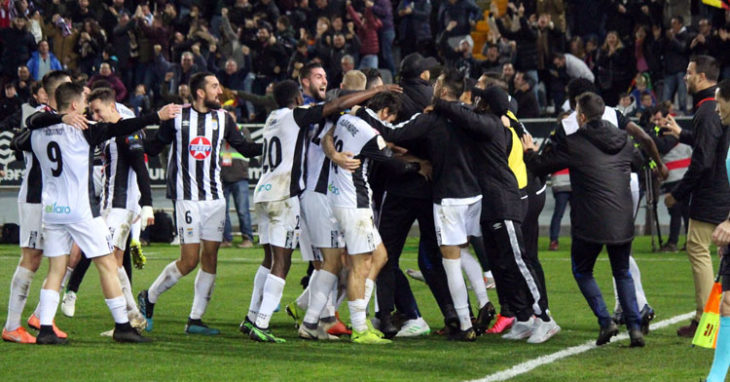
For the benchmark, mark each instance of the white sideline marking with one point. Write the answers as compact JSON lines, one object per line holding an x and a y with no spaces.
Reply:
{"x":528,"y":366}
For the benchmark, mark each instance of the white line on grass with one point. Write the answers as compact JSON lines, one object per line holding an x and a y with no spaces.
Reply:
{"x":550,"y":358}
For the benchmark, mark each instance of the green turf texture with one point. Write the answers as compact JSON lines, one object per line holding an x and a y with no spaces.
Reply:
{"x":230,"y":356}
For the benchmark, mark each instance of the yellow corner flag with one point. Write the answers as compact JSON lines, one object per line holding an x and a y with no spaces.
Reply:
{"x":717,"y":3}
{"x":706,"y":334}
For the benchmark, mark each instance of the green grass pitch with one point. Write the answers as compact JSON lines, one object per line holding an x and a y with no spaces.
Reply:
{"x":230,"y":356}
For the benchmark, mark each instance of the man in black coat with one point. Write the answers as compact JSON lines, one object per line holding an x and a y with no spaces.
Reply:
{"x":599,"y":157}
{"x":705,"y":184}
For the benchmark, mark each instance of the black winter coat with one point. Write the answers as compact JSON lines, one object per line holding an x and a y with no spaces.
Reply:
{"x":599,"y":157}
{"x":705,"y":183}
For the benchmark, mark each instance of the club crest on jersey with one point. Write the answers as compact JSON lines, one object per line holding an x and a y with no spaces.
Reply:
{"x":200,"y":148}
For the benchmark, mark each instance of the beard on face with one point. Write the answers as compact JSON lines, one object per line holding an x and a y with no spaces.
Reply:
{"x":314,"y":91}
{"x":212,"y":104}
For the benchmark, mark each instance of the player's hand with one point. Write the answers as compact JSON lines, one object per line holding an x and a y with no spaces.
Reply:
{"x":346,"y":160}
{"x":721,"y":235}
{"x":426,"y":169}
{"x":428,"y":109}
{"x":671,"y":127}
{"x":147,"y":216}
{"x":397,"y":150}
{"x":169,"y":111}
{"x":528,"y":143}
{"x":76,"y":120}
{"x":669,"y":200}
{"x":354,"y":109}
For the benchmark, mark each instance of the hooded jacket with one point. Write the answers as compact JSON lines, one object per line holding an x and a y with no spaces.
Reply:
{"x":599,"y":157}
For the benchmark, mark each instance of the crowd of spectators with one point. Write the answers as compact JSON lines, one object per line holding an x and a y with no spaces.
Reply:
{"x":636,"y":51}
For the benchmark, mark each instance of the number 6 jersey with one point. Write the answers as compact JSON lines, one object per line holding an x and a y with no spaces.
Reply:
{"x":283,"y":168}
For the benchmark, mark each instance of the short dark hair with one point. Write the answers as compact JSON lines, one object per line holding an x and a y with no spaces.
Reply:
{"x":383,"y":100}
{"x":67,"y":93}
{"x":197,"y":81}
{"x":591,"y":105}
{"x":679,"y":18}
{"x":103,"y":94}
{"x":307,"y":69}
{"x":51,"y":79}
{"x":578,"y":86}
{"x":454,"y":81}
{"x":724,"y":89}
{"x":286,"y":93}
{"x":101,"y":84}
{"x":371,"y":74}
{"x":708,"y":65}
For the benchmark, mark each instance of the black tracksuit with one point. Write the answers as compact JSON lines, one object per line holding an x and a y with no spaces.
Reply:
{"x":705,"y":183}
{"x":599,"y":157}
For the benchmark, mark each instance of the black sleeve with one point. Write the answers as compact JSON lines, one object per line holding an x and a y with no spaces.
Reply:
{"x":21,"y":141}
{"x":41,"y":119}
{"x":234,"y":137}
{"x":305,"y":116}
{"x":481,"y":125}
{"x":154,"y":144}
{"x":414,"y":128}
{"x":549,"y":161}
{"x":707,"y":134}
{"x":100,"y":132}
{"x":376,"y":150}
{"x":687,"y":137}
{"x":133,"y":148}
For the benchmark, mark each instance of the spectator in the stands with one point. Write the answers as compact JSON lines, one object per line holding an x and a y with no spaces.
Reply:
{"x":527,"y":106}
{"x":42,"y":61}
{"x":614,"y":69}
{"x":23,"y":44}
{"x":106,"y":74}
{"x":181,"y":72}
{"x":367,"y":26}
{"x":383,"y":10}
{"x":23,"y":83}
{"x":414,"y":29}
{"x":675,"y":43}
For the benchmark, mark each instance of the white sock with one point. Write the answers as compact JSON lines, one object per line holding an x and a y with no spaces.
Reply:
{"x":127,"y":290}
{"x":19,"y":288}
{"x":258,"y":292}
{"x":357,"y":315}
{"x":273,"y":289}
{"x":303,"y":299}
{"x":473,"y":271}
{"x":118,"y":307}
{"x":37,"y":311}
{"x":135,"y":230}
{"x":204,"y":284}
{"x":369,"y":287}
{"x":66,"y":276}
{"x":48,"y":306}
{"x":457,"y":289}
{"x":166,"y":280}
{"x":638,"y":286}
{"x":320,"y":292}
{"x":329,"y":307}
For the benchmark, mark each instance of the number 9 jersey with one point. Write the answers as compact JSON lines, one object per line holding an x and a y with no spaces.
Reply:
{"x":283,"y":159}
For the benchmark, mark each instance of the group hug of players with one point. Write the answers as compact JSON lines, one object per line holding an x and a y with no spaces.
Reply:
{"x":485,"y":178}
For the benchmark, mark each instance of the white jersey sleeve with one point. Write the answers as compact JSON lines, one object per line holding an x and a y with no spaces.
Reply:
{"x":351,"y":190}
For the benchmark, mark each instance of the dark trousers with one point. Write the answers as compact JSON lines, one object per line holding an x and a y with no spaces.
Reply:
{"x":77,"y":276}
{"x":396,"y":218}
{"x":505,"y":247}
{"x":561,"y":202}
{"x":531,"y":233}
{"x":678,"y":213}
{"x":583,"y":257}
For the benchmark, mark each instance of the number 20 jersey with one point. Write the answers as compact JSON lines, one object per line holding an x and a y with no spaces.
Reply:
{"x":283,"y":169}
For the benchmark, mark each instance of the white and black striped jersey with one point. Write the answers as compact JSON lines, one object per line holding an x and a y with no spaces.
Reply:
{"x":66,"y":156}
{"x":126,"y":181}
{"x":31,"y":187}
{"x":193,"y":168}
{"x":351,"y":190}
{"x":283,"y":163}
{"x":318,"y":165}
